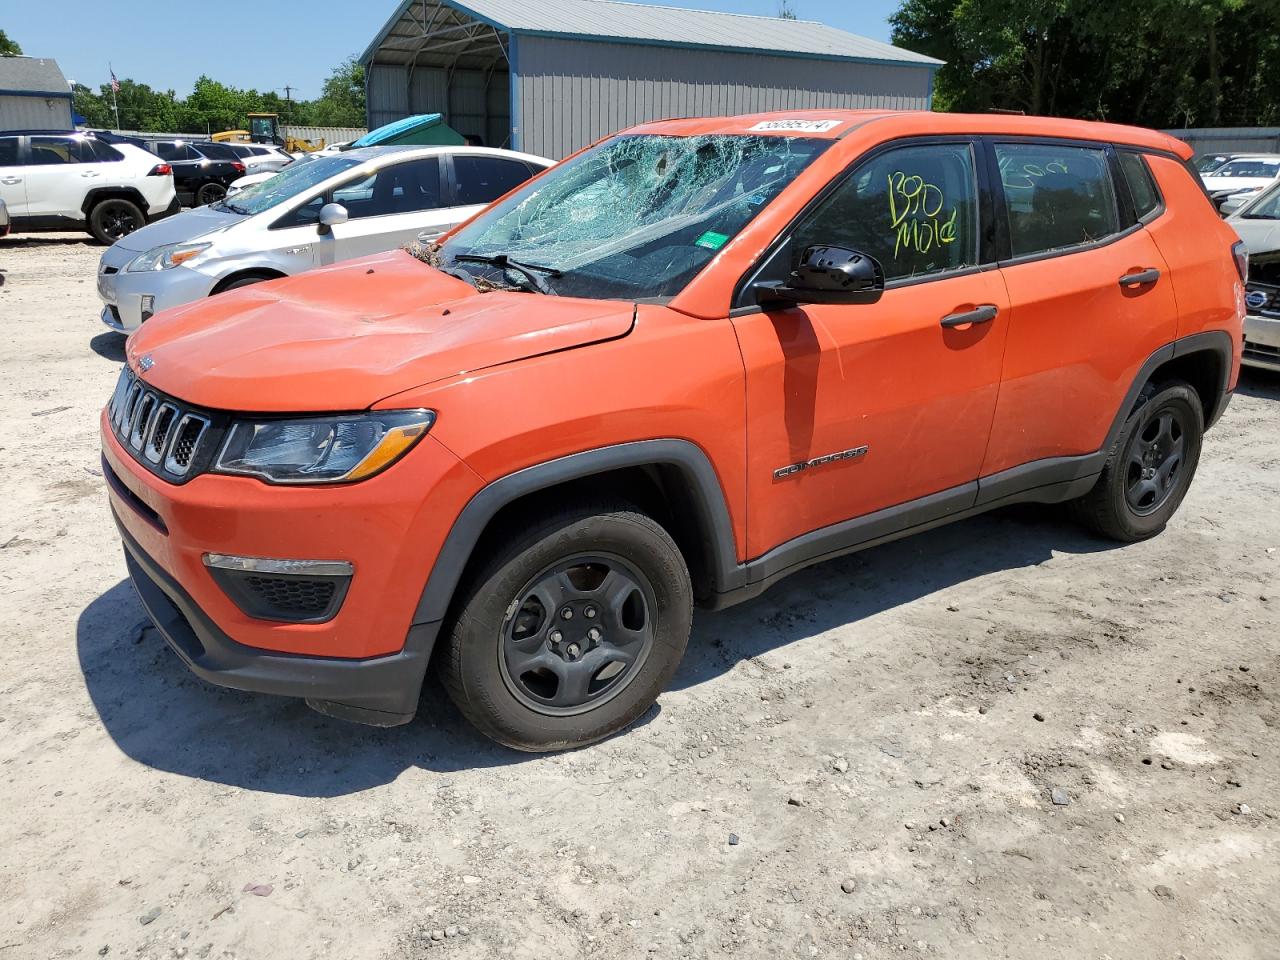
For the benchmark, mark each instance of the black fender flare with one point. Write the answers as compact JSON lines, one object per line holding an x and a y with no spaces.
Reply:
{"x":695,"y":469}
{"x":132,"y":194}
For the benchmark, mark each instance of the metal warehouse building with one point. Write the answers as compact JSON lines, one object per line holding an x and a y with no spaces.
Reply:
{"x":549,"y":76}
{"x":34,"y":95}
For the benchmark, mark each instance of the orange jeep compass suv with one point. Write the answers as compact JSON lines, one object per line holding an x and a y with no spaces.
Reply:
{"x":682,"y":364}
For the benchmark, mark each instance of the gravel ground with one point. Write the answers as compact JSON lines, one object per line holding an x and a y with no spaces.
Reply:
{"x":999,"y":739}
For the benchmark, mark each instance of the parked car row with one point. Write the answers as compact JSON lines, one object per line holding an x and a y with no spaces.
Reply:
{"x":1231,"y":180}
{"x":1258,"y":224}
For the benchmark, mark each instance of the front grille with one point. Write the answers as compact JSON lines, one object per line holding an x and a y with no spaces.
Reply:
{"x":168,"y":437}
{"x":1262,"y":298}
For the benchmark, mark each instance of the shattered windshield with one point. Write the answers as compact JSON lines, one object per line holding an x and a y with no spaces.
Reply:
{"x":634,"y":218}
{"x":285,"y":185}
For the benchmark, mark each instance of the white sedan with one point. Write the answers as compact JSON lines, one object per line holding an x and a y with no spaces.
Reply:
{"x":1242,"y":173}
{"x":310,"y":214}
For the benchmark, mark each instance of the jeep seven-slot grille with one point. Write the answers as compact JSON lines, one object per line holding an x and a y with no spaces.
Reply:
{"x":166,"y":436}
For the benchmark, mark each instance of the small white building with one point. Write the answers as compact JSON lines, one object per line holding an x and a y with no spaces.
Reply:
{"x":34,"y":95}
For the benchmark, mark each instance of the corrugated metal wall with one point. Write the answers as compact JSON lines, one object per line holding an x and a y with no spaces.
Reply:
{"x":35,"y":113}
{"x":571,"y":92}
{"x":479,"y":103}
{"x":1231,"y":139}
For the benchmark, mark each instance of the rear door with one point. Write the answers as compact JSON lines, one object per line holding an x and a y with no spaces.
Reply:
{"x":60,"y":171}
{"x":13,"y":180}
{"x":1090,"y":293}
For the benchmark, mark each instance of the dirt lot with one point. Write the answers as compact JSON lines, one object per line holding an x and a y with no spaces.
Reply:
{"x":861,"y":763}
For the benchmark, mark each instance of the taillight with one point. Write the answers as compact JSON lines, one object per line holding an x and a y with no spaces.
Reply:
{"x":1241,"y":254}
{"x":237,"y":166}
{"x":161,"y":170}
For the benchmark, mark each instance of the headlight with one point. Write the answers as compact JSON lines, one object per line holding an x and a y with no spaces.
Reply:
{"x":163,"y":258}
{"x":322,"y":449}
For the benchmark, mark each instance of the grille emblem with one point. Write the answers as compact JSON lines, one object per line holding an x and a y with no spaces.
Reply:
{"x":1256,"y":299}
{"x":145,"y":362}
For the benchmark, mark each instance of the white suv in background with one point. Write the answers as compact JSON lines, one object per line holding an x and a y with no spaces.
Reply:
{"x":310,"y":214}
{"x":73,"y":181}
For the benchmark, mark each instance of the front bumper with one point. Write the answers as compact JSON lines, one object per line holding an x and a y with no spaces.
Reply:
{"x":382,"y":691}
{"x":122,"y":292}
{"x":1261,"y":342}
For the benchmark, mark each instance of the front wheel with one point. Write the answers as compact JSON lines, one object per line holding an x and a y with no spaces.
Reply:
{"x":1150,"y":467}
{"x":571,"y":630}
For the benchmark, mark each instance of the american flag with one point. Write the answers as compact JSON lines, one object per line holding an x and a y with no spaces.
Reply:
{"x":115,"y":84}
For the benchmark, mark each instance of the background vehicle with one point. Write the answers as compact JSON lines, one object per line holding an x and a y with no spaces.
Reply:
{"x":260,"y":159}
{"x":75,"y":181}
{"x":202,"y":171}
{"x":1258,"y":224}
{"x":1242,"y":173}
{"x":1212,"y":161}
{"x":720,"y":350}
{"x":313,"y":213}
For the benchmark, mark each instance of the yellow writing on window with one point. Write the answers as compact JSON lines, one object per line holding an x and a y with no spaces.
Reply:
{"x":1028,"y":173}
{"x":917,"y":214}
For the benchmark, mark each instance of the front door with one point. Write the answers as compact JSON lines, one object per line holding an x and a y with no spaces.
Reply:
{"x":387,"y":209}
{"x":1091,"y":293}
{"x":13,"y":184}
{"x":853,"y":409}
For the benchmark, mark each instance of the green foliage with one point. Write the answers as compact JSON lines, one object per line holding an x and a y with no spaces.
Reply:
{"x":213,"y":106}
{"x":9,"y":48}
{"x":1159,"y":63}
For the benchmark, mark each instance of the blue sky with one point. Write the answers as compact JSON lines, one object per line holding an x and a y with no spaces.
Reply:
{"x":269,"y":44}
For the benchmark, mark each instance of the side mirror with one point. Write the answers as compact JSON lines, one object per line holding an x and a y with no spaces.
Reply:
{"x":332,"y":214}
{"x":829,"y":275}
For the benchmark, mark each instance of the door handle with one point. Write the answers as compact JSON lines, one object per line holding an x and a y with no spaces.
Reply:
{"x":11,"y":180}
{"x":89,"y":173}
{"x":1142,"y":277}
{"x":983,"y":314}
{"x":426,"y":236}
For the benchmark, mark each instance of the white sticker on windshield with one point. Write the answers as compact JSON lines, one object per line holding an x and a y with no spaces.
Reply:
{"x":801,"y":126}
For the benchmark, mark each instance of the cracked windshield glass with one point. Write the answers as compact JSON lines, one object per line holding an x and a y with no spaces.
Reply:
{"x":636,"y":217}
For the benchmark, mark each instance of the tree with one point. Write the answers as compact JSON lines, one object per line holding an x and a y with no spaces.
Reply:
{"x":9,"y":48}
{"x":1161,"y":63}
{"x":341,"y":102}
{"x":786,"y":11}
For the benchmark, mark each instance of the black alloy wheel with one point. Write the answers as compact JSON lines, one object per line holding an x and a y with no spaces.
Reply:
{"x":578,"y":633}
{"x":1154,"y":458}
{"x":112,"y":219}
{"x":210,"y":193}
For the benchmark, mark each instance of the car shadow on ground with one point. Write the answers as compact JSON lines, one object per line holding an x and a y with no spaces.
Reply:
{"x":1259,"y":383}
{"x":162,"y":716}
{"x":109,"y":345}
{"x":23,"y":242}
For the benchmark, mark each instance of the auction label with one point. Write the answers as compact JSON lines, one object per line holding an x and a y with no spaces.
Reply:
{"x":800,"y":126}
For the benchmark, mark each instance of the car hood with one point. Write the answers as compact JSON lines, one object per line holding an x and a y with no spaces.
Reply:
{"x":181,"y":227}
{"x":345,"y":337}
{"x":1260,"y":236}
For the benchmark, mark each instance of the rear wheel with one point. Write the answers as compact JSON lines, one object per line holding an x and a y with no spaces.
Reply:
{"x":109,"y":220}
{"x":572,"y":630}
{"x":210,"y":193}
{"x":1150,"y":467}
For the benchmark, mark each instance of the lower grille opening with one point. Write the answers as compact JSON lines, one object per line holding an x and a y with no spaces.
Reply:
{"x":287,"y":598}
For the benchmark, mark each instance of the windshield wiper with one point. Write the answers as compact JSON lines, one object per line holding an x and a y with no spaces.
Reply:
{"x":228,"y":205}
{"x":530,"y":271}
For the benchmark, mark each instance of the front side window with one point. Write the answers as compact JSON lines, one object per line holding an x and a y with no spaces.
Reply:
{"x":1258,"y":169}
{"x":1056,"y":196}
{"x":636,"y":216}
{"x":402,"y":188}
{"x":485,"y":179}
{"x":1146,"y":198}
{"x":915,"y":209}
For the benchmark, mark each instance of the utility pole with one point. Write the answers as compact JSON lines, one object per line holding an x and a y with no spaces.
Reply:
{"x":288,"y":102}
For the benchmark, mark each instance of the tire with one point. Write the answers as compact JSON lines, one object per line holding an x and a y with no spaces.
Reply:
{"x":620,"y":574}
{"x":209,"y":193}
{"x":243,"y":282}
{"x":111,"y":219}
{"x":1150,"y":467}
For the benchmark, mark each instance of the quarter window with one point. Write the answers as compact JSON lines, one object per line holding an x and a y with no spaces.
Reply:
{"x":1142,"y":187}
{"x":914,"y":209}
{"x":485,"y":179}
{"x":1057,"y":196}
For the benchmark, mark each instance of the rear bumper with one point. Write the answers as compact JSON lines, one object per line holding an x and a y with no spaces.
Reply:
{"x":1262,"y":342}
{"x":168,"y":211}
{"x":382,"y":691}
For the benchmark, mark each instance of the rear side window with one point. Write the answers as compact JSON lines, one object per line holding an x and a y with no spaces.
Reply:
{"x":8,"y":151}
{"x":485,"y":179}
{"x":914,"y":209}
{"x":1142,"y":186}
{"x":216,"y":151}
{"x":170,"y":151}
{"x":1057,"y":197}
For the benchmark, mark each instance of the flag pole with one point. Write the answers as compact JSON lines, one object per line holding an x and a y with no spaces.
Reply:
{"x":114,"y":87}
